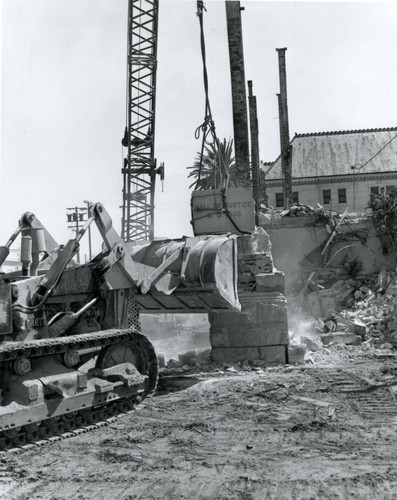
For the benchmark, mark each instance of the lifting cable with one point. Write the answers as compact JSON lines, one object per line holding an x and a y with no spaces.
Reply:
{"x":208,"y":126}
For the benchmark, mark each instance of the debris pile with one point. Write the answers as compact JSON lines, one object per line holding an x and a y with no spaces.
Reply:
{"x":320,"y":213}
{"x":363,"y":311}
{"x":192,"y":361}
{"x":376,"y":311}
{"x":187,"y":361}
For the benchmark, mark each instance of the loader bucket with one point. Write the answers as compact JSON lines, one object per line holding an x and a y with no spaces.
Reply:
{"x":204,"y":276}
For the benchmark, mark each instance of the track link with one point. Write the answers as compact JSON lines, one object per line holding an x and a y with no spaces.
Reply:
{"x":84,"y":420}
{"x":76,"y":425}
{"x":43,"y":347}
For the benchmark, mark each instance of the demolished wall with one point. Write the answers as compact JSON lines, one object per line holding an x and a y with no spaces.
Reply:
{"x":294,"y":239}
{"x":260,"y":330}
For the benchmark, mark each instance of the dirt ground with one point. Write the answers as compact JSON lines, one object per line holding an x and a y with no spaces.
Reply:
{"x":317,"y":431}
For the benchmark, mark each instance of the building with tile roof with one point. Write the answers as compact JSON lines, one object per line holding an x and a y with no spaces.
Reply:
{"x":339,"y":170}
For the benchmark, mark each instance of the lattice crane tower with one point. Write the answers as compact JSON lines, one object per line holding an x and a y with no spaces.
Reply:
{"x":139,"y":167}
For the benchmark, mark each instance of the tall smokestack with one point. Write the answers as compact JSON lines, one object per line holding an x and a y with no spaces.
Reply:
{"x":284,"y":131}
{"x":239,"y":96}
{"x":254,"y":133}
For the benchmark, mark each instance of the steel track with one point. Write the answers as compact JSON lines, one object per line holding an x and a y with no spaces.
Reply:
{"x":75,"y":428}
{"x":84,"y":420}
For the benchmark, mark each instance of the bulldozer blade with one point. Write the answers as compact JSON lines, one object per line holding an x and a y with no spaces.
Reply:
{"x":205,"y":274}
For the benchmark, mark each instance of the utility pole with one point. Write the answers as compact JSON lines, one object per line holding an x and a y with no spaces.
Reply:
{"x":239,"y":96}
{"x":256,"y":180}
{"x":88,"y":203}
{"x":284,"y":131}
{"x":74,"y":217}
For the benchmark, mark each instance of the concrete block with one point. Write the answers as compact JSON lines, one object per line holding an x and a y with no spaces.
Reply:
{"x":340,"y":338}
{"x":313,"y":345}
{"x":257,"y":243}
{"x":256,"y":308}
{"x":256,"y":335}
{"x":296,"y":354}
{"x":270,"y":282}
{"x":358,"y":328}
{"x":268,"y":307}
{"x":253,"y":257}
{"x":227,"y":354}
{"x":273,"y":355}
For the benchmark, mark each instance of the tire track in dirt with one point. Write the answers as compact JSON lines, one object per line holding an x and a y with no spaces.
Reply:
{"x":245,"y":436}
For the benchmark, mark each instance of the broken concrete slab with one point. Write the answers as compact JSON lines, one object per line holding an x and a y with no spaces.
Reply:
{"x":340,"y":338}
{"x":358,"y":327}
{"x":313,"y":345}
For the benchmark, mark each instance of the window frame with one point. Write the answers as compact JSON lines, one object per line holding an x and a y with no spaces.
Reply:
{"x":327,"y":200}
{"x":279,"y":197}
{"x":342,"y":195}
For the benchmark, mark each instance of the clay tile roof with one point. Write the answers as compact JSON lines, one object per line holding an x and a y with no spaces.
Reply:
{"x":334,"y":153}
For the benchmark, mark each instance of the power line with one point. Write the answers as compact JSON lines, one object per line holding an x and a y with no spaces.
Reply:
{"x":381,"y":149}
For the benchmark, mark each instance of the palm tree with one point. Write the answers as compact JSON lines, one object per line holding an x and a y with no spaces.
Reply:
{"x":216,"y":167}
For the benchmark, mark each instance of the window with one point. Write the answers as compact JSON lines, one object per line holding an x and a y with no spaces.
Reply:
{"x":374,"y":189}
{"x":389,"y":189}
{"x":295,"y":197}
{"x":326,"y":196}
{"x":279,"y":200}
{"x":382,"y":190}
{"x":342,"y":195}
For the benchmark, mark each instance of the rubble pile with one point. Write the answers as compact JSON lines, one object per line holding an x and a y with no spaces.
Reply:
{"x":319,"y":213}
{"x":364,"y":311}
{"x":376,"y":312}
{"x":187,"y":360}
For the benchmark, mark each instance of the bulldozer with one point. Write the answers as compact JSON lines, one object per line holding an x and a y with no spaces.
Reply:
{"x":71,"y":348}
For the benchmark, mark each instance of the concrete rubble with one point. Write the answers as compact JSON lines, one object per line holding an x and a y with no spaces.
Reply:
{"x":363,"y":312}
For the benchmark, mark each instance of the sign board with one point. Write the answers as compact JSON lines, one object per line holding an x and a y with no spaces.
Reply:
{"x":218,"y":212}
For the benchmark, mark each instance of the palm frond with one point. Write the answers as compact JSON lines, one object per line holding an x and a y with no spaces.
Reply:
{"x":215,"y":167}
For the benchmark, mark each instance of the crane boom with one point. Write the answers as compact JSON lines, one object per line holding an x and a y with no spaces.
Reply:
{"x":139,"y":168}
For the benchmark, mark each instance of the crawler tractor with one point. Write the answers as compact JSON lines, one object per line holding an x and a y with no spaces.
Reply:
{"x":71,"y":349}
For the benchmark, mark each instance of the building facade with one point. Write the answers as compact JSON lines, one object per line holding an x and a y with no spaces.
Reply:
{"x":338,"y":170}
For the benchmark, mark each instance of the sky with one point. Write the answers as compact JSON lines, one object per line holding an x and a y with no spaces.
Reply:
{"x":63,"y":93}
